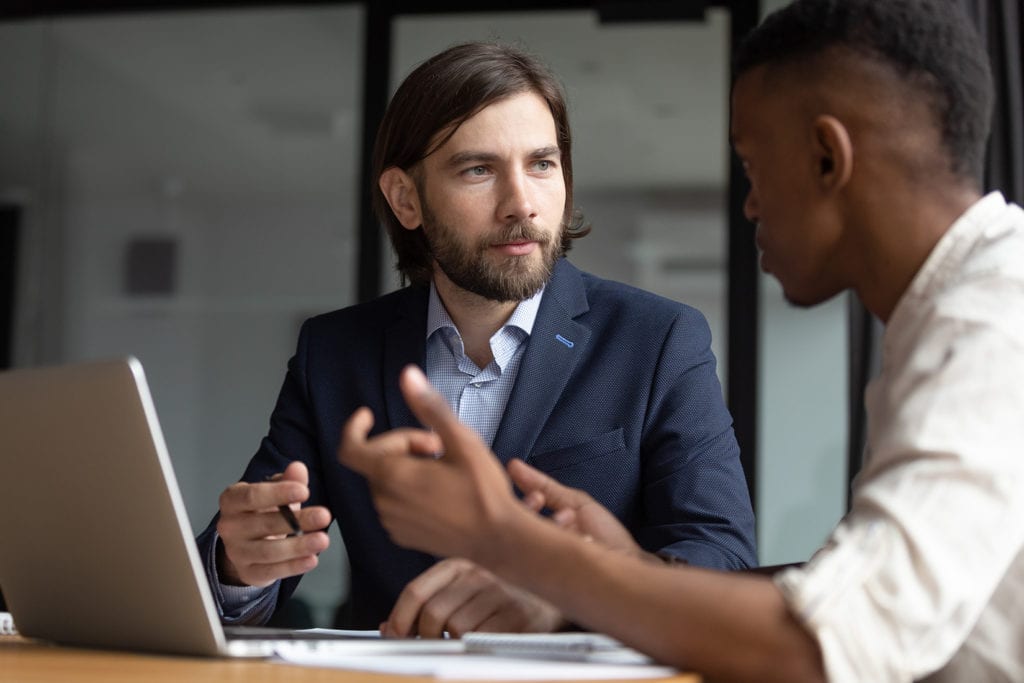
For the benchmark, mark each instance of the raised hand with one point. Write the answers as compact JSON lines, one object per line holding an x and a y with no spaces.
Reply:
{"x":441,"y":505}
{"x":572,"y":508}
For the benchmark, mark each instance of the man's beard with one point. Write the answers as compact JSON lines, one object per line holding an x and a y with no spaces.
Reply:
{"x":515,"y":278}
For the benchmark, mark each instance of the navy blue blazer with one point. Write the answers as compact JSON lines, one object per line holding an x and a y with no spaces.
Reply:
{"x":616,"y":395}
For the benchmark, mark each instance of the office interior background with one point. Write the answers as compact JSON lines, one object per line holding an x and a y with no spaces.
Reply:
{"x":183,"y":184}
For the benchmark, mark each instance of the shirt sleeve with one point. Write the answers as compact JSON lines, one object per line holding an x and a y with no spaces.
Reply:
{"x":239,"y":604}
{"x":937,"y":515}
{"x":697,"y":507}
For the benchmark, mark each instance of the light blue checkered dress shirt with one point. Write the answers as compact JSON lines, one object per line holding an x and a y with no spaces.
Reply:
{"x":477,"y":395}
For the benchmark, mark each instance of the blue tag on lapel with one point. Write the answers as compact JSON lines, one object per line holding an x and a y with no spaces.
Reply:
{"x":565,"y":341}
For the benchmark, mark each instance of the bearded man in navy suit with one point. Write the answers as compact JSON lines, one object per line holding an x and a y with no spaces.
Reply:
{"x":602,"y":386}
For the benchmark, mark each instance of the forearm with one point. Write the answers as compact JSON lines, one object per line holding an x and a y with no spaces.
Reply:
{"x":728,"y":627}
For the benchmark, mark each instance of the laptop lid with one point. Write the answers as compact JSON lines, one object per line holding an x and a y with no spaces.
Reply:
{"x":95,"y":544}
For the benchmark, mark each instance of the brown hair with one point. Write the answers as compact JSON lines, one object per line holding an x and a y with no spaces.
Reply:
{"x":433,"y":101}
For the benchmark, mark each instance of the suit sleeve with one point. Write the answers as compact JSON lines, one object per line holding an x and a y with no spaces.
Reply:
{"x":697,"y":506}
{"x":292,"y":436}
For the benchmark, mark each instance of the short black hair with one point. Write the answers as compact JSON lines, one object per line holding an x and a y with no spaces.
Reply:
{"x":930,"y":43}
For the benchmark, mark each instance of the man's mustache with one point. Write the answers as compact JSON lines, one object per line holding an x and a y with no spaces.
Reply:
{"x":520,"y":232}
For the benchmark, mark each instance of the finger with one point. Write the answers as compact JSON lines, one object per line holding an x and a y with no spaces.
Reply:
{"x":405,"y":614}
{"x":351,"y":450}
{"x":253,"y":526}
{"x":261,"y":575}
{"x":296,"y":471}
{"x":488,"y":605}
{"x":312,"y":518}
{"x":566,"y":518}
{"x":433,"y":411}
{"x":259,"y":563}
{"x":556,"y":496}
{"x":248,"y":497}
{"x":275,"y":550}
{"x":365,"y":455}
{"x":459,"y":606}
{"x":534,"y":501}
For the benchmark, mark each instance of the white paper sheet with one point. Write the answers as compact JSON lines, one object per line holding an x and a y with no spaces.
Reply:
{"x":447,"y":659}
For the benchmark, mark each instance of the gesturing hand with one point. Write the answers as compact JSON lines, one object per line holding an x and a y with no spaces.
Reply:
{"x":453,"y":505}
{"x":572,"y":508}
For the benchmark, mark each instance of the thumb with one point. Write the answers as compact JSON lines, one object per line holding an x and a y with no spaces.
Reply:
{"x":433,"y":411}
{"x":296,"y":471}
{"x":556,"y":496}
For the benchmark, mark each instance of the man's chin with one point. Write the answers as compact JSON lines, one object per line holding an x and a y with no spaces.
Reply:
{"x":805,"y":299}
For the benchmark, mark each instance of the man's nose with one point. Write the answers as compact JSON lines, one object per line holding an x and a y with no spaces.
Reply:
{"x":750,"y":209}
{"x":517,"y":203}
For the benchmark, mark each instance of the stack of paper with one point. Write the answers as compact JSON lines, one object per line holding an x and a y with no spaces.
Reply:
{"x":490,"y":656}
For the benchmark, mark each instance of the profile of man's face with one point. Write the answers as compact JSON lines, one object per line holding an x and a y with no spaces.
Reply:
{"x":492,"y":200}
{"x":798,"y":242}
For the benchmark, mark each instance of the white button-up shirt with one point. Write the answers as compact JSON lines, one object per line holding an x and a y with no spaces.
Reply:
{"x":925,"y":574}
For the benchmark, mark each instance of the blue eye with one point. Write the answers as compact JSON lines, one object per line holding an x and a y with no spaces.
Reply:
{"x":476,"y":172}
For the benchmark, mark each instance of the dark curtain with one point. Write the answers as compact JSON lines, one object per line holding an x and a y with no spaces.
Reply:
{"x":1001,"y":24}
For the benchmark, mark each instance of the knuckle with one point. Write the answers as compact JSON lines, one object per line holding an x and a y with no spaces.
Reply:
{"x":461,"y":564}
{"x":481,"y":576}
{"x":228,"y":497}
{"x":431,"y":613}
{"x":432,"y":620}
{"x":224,"y":529}
{"x":248,"y":496}
{"x":416,"y":592}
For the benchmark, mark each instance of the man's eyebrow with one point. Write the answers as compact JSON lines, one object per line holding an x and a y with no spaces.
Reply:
{"x":471,"y":156}
{"x":549,"y":151}
{"x":480,"y":157}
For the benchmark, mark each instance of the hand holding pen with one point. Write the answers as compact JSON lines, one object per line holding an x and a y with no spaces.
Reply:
{"x":264,"y":534}
{"x":286,"y":510}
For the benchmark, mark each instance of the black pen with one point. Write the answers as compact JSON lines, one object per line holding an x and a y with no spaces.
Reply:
{"x":289,"y":517}
{"x":286,"y":511}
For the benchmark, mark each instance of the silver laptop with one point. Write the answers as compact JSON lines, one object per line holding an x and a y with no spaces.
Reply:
{"x":95,"y":545}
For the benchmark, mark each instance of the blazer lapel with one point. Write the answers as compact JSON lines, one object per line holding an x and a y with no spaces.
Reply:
{"x":552,"y":353}
{"x":404,"y":343}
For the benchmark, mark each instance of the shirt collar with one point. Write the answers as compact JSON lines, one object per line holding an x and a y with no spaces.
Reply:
{"x":523,"y":317}
{"x":949,"y":253}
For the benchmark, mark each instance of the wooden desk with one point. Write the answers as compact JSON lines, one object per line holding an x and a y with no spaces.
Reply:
{"x":24,"y":661}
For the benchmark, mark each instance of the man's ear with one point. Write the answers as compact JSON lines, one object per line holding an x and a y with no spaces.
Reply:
{"x":400,"y":191}
{"x":834,"y":151}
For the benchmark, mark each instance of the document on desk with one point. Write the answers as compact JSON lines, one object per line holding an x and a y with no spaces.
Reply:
{"x":490,"y":656}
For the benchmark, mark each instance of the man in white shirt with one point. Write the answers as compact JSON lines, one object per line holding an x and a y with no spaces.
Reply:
{"x":862,"y":127}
